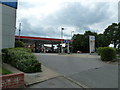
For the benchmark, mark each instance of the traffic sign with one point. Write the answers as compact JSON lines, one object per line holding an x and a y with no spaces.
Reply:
{"x":65,"y":41}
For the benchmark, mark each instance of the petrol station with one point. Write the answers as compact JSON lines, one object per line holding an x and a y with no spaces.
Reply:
{"x":37,"y":44}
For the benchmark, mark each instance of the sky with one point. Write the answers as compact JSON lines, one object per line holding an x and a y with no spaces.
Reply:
{"x":45,"y":18}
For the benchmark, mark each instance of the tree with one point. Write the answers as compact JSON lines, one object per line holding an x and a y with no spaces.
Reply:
{"x":77,"y":42}
{"x":118,"y":35}
{"x":81,"y":42}
{"x":111,"y":34}
{"x":102,"y":41}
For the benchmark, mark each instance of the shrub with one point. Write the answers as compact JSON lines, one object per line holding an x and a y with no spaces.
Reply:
{"x":23,"y":49}
{"x":99,"y":50}
{"x":19,"y":43}
{"x":5,"y":54}
{"x":22,"y":59}
{"x":107,"y":54}
{"x":29,"y":65}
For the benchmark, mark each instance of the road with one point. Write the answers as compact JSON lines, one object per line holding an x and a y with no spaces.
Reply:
{"x":85,"y":69}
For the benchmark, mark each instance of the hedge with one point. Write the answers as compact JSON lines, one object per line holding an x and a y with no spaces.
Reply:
{"x":19,"y":43}
{"x":107,"y":53}
{"x":23,"y":49}
{"x":22,"y":59}
{"x":99,"y":50}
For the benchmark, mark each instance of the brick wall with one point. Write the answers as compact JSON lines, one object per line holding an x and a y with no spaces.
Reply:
{"x":12,"y":80}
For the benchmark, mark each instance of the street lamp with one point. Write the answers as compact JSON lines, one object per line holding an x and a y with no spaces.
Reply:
{"x":71,"y":41}
{"x":61,"y":39}
{"x":19,"y":30}
{"x":62,"y":33}
{"x":71,"y":34}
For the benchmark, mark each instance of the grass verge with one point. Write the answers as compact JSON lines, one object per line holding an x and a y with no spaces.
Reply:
{"x":4,"y":71}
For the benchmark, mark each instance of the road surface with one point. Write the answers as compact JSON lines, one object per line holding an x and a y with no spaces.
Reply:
{"x":85,"y":69}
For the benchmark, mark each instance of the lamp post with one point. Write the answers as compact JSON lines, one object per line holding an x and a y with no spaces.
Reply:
{"x":71,"y":41}
{"x":19,"y":30}
{"x":71,"y":34}
{"x":61,"y":39}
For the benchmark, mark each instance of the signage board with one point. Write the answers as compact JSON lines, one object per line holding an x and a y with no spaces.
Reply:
{"x":65,"y":41}
{"x":92,"y":43}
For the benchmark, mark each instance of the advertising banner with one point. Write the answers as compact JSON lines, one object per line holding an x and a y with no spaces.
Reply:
{"x":92,"y":43}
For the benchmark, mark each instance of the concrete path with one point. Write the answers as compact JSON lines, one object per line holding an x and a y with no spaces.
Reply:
{"x":10,"y":68}
{"x":45,"y":79}
{"x":32,"y":78}
{"x":46,"y":74}
{"x":58,"y":82}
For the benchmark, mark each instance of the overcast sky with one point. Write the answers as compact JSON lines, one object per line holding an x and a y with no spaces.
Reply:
{"x":44,"y":18}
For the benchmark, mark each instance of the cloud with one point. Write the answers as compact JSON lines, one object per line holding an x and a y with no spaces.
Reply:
{"x":45,"y":19}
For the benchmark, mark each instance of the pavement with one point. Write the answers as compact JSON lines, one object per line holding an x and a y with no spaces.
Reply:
{"x":32,"y":78}
{"x":58,"y":82}
{"x":45,"y":79}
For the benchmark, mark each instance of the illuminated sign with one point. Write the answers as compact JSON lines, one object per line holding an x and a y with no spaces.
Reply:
{"x":92,"y":43}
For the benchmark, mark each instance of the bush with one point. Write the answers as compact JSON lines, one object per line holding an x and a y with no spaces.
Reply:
{"x":23,"y":49}
{"x":5,"y":54}
{"x":19,"y":43}
{"x":99,"y":50}
{"x":29,"y":65}
{"x":22,"y":59}
{"x":107,"y":53}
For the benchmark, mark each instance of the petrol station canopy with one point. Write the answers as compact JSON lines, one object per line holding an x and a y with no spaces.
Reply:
{"x":40,"y":40}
